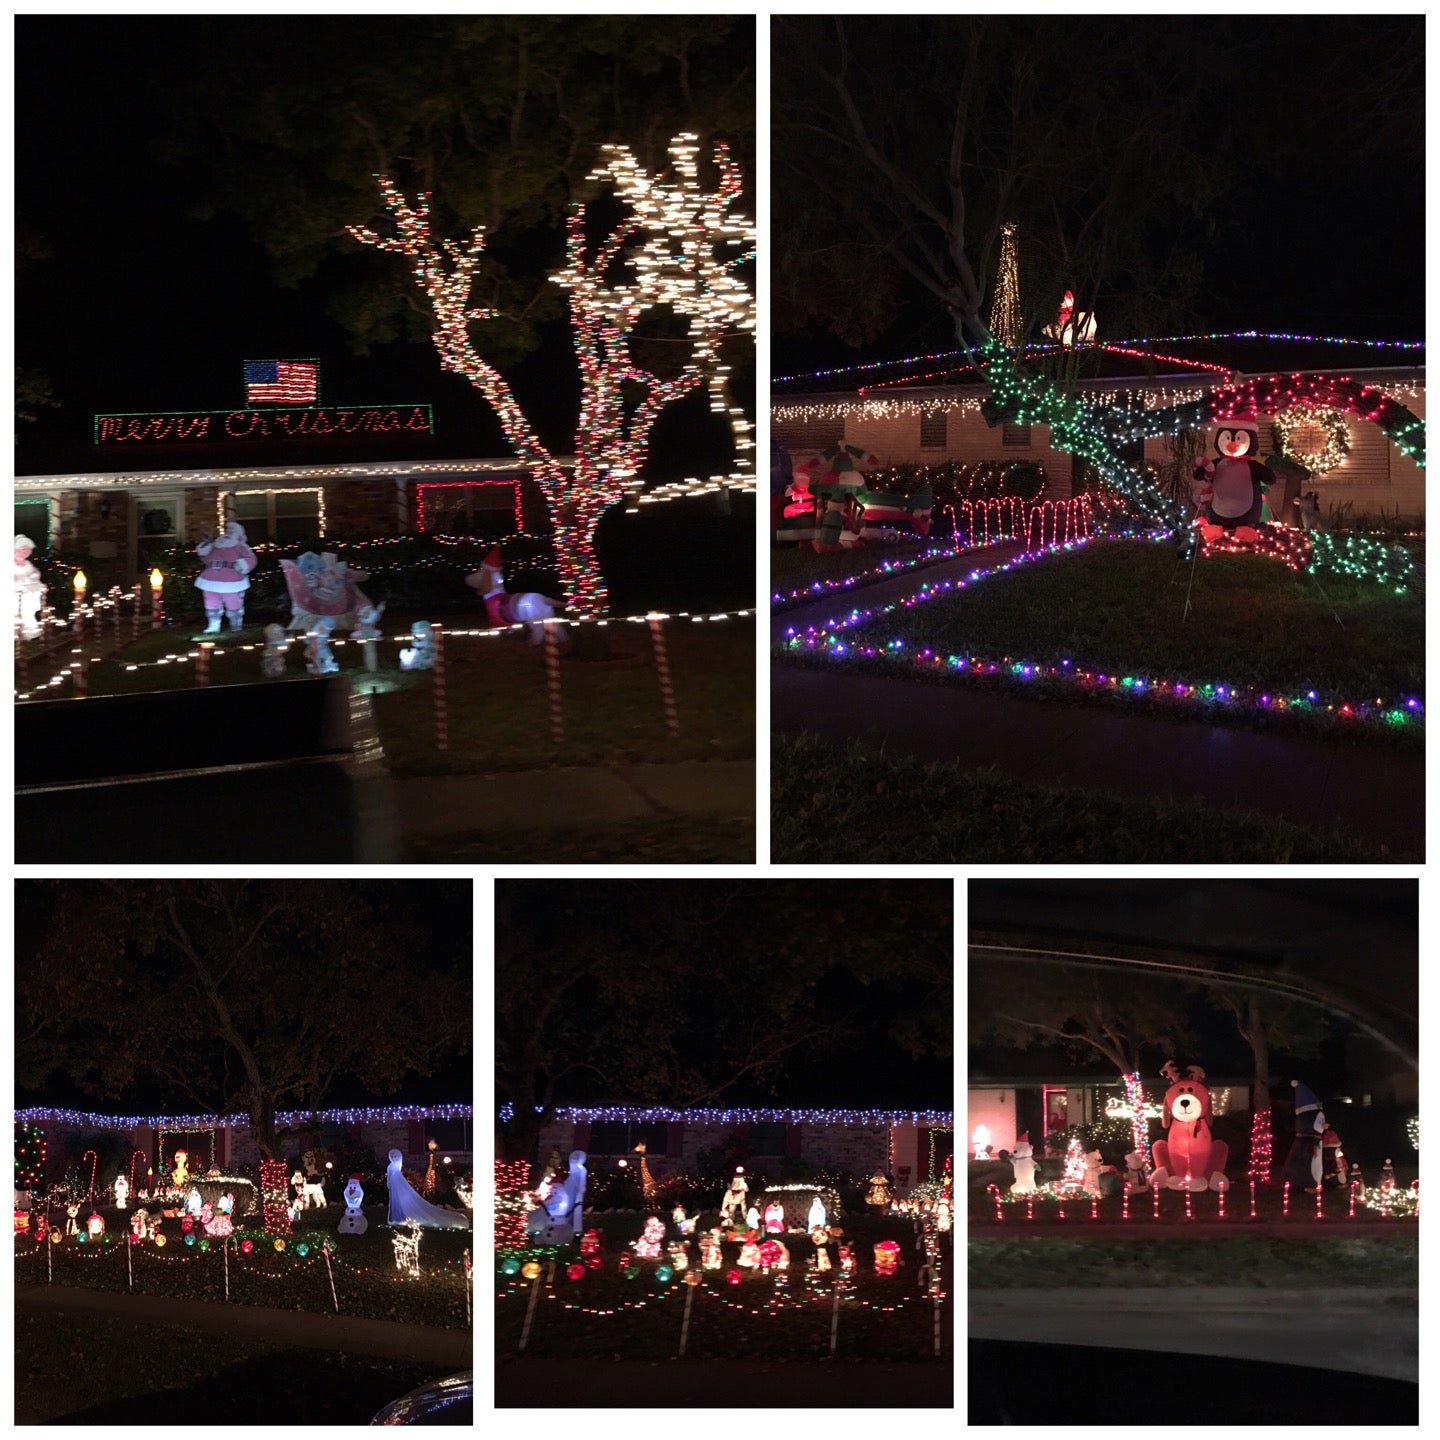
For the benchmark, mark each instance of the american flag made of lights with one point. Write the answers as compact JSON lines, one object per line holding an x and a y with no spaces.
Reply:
{"x":281,"y":382}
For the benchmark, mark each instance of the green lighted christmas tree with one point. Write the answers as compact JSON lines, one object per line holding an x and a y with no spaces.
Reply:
{"x":29,"y":1156}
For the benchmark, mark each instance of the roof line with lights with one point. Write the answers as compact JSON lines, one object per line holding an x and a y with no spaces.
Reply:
{"x":642,"y":1114}
{"x":205,"y":1122}
{"x":269,"y":475}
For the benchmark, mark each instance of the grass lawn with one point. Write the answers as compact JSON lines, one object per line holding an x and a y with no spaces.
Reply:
{"x":366,"y":1280}
{"x":496,"y":689}
{"x":605,"y":1315}
{"x":858,"y":805}
{"x":1262,"y":1261}
{"x":674,"y":838}
{"x":1117,"y":606}
{"x":75,"y":1367}
{"x":792,"y":566}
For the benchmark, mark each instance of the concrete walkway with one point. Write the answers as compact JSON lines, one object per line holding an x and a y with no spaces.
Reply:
{"x":1369,"y":1332}
{"x":347,"y":1333}
{"x":574,"y":797}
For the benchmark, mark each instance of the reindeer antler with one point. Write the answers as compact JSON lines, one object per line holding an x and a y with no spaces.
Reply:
{"x":1170,"y":1071}
{"x":1195,"y":1072}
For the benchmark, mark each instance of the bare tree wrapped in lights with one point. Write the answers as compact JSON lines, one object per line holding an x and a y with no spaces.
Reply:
{"x":677,"y":247}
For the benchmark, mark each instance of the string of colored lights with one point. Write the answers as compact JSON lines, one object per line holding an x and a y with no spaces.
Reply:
{"x":826,"y":639}
{"x":744,"y":1115}
{"x":1261,"y":1143}
{"x":1140,"y":340}
{"x":89,"y":1119}
{"x":678,"y":264}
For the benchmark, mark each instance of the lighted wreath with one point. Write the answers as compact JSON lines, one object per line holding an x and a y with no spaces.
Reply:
{"x":1337,"y":438}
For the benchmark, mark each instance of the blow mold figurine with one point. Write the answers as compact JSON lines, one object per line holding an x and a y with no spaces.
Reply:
{"x":29,"y":589}
{"x":419,"y":654}
{"x":1190,"y":1159}
{"x":1093,"y":1160}
{"x":734,"y":1198}
{"x":1023,"y":1159}
{"x":1136,"y":1171}
{"x":229,"y":562}
{"x":318,"y":659}
{"x":277,"y":644}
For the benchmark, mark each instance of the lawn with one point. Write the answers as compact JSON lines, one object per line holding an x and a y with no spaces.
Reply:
{"x":366,"y":1281}
{"x":703,"y":840}
{"x":1041,"y":1261}
{"x":1118,"y":607}
{"x":793,"y":566}
{"x":73,"y":1367}
{"x":858,"y":805}
{"x":604,"y":1315}
{"x":496,"y":689}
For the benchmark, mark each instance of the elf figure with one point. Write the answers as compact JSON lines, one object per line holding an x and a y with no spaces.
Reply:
{"x":229,"y":560}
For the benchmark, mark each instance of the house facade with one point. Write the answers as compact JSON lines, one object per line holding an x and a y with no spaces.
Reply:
{"x":998,"y":1111}
{"x":919,"y":425}
{"x":907,"y":1143}
{"x":226,"y":1142}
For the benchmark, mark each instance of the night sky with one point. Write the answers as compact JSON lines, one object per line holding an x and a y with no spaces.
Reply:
{"x":441,"y":914}
{"x":1314,"y":234}
{"x":1358,"y":938}
{"x":134,"y":306}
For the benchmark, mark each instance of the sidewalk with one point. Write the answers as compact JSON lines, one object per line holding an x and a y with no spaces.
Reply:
{"x":573,"y":798}
{"x":346,"y":1333}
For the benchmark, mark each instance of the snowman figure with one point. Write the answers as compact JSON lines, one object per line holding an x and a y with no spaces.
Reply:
{"x":353,"y":1222}
{"x":1024,"y":1163}
{"x":419,"y":654}
{"x":122,"y":1191}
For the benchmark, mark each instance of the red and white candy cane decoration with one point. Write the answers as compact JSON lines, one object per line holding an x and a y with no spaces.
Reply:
{"x":442,"y":704}
{"x":79,"y":680}
{"x":22,"y":670}
{"x":202,"y":663}
{"x":552,"y":678}
{"x":662,"y":668}
{"x":94,"y":1162}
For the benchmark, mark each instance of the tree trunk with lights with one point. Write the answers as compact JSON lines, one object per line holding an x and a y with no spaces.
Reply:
{"x":668,"y":242}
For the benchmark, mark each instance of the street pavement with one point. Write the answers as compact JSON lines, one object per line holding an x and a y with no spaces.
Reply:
{"x":1358,"y":1331}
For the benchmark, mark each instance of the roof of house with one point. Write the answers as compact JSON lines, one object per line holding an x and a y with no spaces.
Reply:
{"x":1206,"y":360}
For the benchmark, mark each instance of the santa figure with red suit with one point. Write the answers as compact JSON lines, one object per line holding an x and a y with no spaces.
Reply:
{"x":229,"y":561}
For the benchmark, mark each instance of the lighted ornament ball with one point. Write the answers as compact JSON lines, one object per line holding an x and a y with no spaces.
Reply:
{"x":732,"y":1277}
{"x":56,"y":1237}
{"x":663,"y":1273}
{"x":632,"y":1272}
{"x":279,"y":1245}
{"x":302,"y":1249}
{"x":510,"y":1266}
{"x":693,"y":1277}
{"x":189,"y":1239}
{"x":576,"y":1272}
{"x":531,"y":1270}
{"x":160,"y":1241}
{"x":204,"y":1245}
{"x":592,"y":1262}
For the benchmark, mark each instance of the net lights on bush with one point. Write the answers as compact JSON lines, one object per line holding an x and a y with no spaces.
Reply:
{"x":675,"y":247}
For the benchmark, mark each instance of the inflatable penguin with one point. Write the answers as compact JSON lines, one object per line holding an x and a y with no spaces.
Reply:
{"x":1232,"y":486}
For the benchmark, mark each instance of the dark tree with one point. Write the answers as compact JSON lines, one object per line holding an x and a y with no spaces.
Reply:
{"x":242,"y":996}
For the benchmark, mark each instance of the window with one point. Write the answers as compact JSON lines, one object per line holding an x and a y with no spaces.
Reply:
{"x":767,"y":1139}
{"x":486,"y":509}
{"x":1015,"y":435}
{"x":932,"y":429}
{"x":158,"y":526}
{"x":449,"y":1134}
{"x":620,"y":1137}
{"x":32,"y":519}
{"x":278,"y":516}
